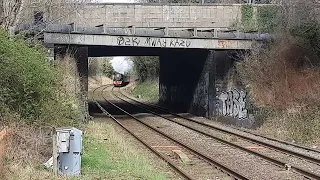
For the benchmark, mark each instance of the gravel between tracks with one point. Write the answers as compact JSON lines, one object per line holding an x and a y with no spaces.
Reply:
{"x":250,"y":165}
{"x":288,"y":159}
{"x":165,"y":147}
{"x":313,"y":153}
{"x":160,"y":143}
{"x":289,"y":147}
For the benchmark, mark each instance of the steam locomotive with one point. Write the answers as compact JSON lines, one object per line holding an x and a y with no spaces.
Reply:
{"x":120,"y":80}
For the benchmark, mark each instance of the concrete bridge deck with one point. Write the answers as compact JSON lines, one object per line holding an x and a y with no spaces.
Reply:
{"x":153,"y":38}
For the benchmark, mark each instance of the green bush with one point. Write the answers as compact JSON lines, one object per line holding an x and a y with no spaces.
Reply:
{"x":108,"y":69}
{"x":26,"y":79}
{"x":264,"y":19}
{"x":267,"y":18}
{"x":248,"y":23}
{"x":29,"y":84}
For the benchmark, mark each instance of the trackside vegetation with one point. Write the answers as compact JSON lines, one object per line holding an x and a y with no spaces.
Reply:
{"x":282,"y":77}
{"x":146,"y":67}
{"x":147,"y":70}
{"x":108,"y":155}
{"x":30,"y":86}
{"x":147,"y":90}
{"x":36,"y":96}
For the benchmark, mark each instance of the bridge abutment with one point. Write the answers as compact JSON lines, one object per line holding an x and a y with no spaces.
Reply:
{"x":80,"y":54}
{"x":204,"y":83}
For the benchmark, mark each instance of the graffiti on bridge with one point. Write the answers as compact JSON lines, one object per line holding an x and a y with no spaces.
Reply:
{"x":153,"y":42}
{"x":233,"y":103}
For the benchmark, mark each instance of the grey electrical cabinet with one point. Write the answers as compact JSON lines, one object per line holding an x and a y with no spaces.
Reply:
{"x":69,"y":144}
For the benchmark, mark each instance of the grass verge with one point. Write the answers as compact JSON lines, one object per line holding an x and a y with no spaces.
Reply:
{"x":282,"y":76}
{"x":148,"y":90}
{"x":107,"y":155}
{"x":298,"y":125}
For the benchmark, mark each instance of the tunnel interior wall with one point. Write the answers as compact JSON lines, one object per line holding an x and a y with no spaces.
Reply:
{"x":180,"y":71}
{"x":204,"y":83}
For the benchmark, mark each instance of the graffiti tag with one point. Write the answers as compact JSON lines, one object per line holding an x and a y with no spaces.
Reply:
{"x":153,"y":42}
{"x":222,"y":43}
{"x":128,"y":41}
{"x":233,"y":103}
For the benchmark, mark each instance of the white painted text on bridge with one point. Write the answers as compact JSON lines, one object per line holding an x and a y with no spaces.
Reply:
{"x":153,"y":42}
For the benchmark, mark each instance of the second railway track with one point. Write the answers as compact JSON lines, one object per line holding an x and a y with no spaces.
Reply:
{"x":307,"y":166}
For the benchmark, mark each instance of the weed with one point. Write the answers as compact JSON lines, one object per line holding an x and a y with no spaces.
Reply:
{"x":109,"y":156}
{"x":283,"y":77}
{"x":148,"y":90}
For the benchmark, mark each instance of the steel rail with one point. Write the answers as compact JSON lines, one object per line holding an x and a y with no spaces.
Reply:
{"x":272,"y":160}
{"x":209,"y":159}
{"x":170,"y":162}
{"x":301,"y":155}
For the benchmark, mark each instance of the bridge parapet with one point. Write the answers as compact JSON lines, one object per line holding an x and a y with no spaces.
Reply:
{"x":150,"y":37}
{"x":201,"y":33}
{"x":142,"y":15}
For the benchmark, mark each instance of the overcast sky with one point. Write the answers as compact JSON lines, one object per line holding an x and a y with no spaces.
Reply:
{"x":119,"y":64}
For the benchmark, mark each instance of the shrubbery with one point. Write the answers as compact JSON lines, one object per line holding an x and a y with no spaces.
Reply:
{"x":30,"y":86}
{"x":147,"y":67}
{"x":283,"y":77}
{"x":108,"y":69}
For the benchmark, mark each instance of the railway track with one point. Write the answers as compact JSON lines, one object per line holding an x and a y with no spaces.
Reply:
{"x":209,"y":167}
{"x":284,"y":158}
{"x":317,"y":152}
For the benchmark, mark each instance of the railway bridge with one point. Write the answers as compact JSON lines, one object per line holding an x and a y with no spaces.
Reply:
{"x":195,"y":65}
{"x":196,"y":46}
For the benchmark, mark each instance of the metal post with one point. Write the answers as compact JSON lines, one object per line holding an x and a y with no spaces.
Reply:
{"x":104,"y":28}
{"x":166,"y":31}
{"x":133,"y":30}
{"x":215,"y":33}
{"x":238,"y":34}
{"x":73,"y":27}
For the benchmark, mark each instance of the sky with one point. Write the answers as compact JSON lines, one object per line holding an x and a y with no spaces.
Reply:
{"x":122,"y":64}
{"x":119,"y":64}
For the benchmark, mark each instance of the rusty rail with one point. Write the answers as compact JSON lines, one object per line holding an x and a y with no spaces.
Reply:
{"x":208,"y":159}
{"x":272,"y":160}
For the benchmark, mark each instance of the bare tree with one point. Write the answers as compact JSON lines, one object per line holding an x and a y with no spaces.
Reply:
{"x":9,"y":12}
{"x":17,"y":12}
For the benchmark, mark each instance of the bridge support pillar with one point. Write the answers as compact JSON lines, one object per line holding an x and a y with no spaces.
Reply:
{"x":80,"y":54}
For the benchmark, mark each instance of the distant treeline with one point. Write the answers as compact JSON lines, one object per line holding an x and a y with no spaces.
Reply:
{"x":146,"y":67}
